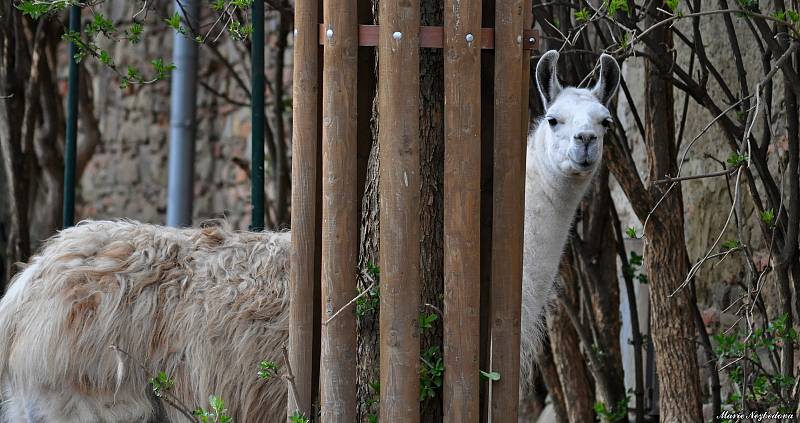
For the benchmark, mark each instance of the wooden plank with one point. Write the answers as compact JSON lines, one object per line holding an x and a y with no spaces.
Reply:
{"x":339,"y":211}
{"x":433,"y":37}
{"x":399,"y":97}
{"x":462,"y":168}
{"x":508,"y":209}
{"x":304,"y":205}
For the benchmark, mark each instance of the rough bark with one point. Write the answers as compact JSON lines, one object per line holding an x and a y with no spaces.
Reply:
{"x":573,"y":376}
{"x":431,"y":199}
{"x":367,"y":323}
{"x":546,"y":365}
{"x":598,"y":266}
{"x":672,"y":327}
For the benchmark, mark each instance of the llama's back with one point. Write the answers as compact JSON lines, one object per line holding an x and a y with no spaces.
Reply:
{"x":203,"y":305}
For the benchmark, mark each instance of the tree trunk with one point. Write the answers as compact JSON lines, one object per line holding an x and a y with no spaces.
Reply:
{"x":672,"y":327}
{"x":550,"y":374}
{"x":598,"y":266}
{"x":575,"y":380}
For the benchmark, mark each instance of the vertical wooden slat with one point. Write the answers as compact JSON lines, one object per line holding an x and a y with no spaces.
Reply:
{"x":304,"y":204}
{"x":508,"y":209}
{"x":339,"y":211}
{"x":462,"y":169}
{"x":398,"y":58}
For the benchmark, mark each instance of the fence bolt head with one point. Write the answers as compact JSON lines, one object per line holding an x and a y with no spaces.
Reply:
{"x":469,"y":37}
{"x":531,"y":40}
{"x":397,"y":35}
{"x":329,"y":33}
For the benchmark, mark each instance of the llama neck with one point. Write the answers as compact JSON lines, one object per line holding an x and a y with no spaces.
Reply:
{"x":551,"y":199}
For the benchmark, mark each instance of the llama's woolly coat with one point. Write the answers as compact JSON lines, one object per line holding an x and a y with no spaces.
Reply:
{"x":203,"y":305}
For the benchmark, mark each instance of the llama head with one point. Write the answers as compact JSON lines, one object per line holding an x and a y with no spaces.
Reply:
{"x":576,"y":119}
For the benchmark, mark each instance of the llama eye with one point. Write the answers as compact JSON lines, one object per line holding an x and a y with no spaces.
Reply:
{"x":552,"y":121}
{"x":606,"y":122}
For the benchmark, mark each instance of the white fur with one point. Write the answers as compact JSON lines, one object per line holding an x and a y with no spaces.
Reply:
{"x":559,"y":170}
{"x":204,"y":305}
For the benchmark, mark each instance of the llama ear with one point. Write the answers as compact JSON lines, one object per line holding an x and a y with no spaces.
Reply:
{"x":547,"y":77}
{"x":609,"y":79}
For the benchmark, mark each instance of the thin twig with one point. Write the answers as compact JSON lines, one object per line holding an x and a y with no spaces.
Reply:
{"x":351,"y":302}
{"x":289,"y":376}
{"x":726,"y":172}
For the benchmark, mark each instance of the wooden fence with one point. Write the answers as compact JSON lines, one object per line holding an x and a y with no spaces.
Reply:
{"x":325,"y":203}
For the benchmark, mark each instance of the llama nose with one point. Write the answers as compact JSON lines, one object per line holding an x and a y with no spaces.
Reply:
{"x":585,"y":137}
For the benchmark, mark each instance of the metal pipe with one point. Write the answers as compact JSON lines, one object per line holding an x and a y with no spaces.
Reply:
{"x":257,"y":134}
{"x":68,"y":217}
{"x":183,"y":100}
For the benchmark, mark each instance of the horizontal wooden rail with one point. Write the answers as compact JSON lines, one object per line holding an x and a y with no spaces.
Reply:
{"x":433,"y":37}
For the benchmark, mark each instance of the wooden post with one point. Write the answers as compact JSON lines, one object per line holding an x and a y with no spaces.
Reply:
{"x":462,"y":190}
{"x":339,"y":212}
{"x":399,"y":211}
{"x":304,"y":204}
{"x":508,"y":208}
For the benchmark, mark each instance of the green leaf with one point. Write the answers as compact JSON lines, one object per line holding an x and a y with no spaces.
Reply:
{"x":631,"y":232}
{"x":100,"y":25}
{"x":672,"y":4}
{"x":161,"y":69}
{"x":267,"y":369}
{"x":615,"y":6}
{"x":426,"y":320}
{"x":619,"y":411}
{"x":36,"y":9}
{"x":582,"y":15}
{"x":161,"y":383}
{"x":768,"y":217}
{"x":373,"y":270}
{"x":737,"y":159}
{"x":174,"y":22}
{"x":732,"y":244}
{"x":134,"y":32}
{"x":298,"y":417}
{"x":105,"y":58}
{"x":493,"y":376}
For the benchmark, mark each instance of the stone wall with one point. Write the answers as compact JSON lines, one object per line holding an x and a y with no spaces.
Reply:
{"x":127,"y":176}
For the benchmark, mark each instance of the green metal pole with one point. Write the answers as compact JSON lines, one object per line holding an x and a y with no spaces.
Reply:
{"x":72,"y":123}
{"x":257,"y":104}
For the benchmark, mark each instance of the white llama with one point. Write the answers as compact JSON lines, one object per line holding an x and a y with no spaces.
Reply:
{"x":203,"y":305}
{"x":564,"y":151}
{"x":206,"y":305}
